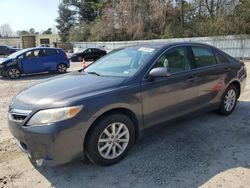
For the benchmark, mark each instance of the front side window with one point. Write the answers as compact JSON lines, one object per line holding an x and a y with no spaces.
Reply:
{"x":175,"y":60}
{"x":124,"y":63}
{"x":32,"y":54}
{"x":203,"y":56}
{"x":88,"y":50}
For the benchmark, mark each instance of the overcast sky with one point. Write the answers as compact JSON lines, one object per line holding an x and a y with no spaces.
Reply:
{"x":26,"y":14}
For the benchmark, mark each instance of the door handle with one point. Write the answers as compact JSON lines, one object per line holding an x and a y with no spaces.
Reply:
{"x":227,"y":69}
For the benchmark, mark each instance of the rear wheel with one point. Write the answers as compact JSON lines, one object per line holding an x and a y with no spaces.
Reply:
{"x":13,"y":72}
{"x":229,"y":100}
{"x":110,"y":139}
{"x":62,"y":68}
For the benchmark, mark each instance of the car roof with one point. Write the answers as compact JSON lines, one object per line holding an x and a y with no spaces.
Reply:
{"x":40,"y":48}
{"x":159,"y":45}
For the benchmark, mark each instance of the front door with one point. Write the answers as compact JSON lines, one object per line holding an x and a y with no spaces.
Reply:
{"x":168,"y":97}
{"x":31,"y":62}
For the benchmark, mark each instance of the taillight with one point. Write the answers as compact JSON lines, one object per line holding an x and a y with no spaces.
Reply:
{"x":65,"y":55}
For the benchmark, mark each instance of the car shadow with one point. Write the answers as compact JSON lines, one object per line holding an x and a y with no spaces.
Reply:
{"x":187,"y":153}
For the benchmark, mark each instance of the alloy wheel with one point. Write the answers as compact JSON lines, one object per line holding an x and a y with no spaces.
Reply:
{"x":62,"y":68}
{"x":230,"y":100}
{"x":113,"y":140}
{"x":14,"y":73}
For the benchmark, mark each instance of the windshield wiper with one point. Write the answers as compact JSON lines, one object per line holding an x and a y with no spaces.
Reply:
{"x":95,"y":73}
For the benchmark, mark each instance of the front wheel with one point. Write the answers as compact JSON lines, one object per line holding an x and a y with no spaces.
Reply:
{"x":62,"y":68}
{"x":110,"y":139}
{"x":229,"y":101}
{"x":13,"y":72}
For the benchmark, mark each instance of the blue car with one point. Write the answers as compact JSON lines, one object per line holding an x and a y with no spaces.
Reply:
{"x":34,"y":60}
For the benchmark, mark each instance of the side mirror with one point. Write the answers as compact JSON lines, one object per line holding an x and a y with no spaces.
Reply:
{"x":159,"y":72}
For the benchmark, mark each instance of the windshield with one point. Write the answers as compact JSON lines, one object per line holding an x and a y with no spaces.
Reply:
{"x":125,"y":62}
{"x":14,"y":55}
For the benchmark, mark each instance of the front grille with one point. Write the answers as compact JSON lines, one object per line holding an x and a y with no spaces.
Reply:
{"x":18,"y":115}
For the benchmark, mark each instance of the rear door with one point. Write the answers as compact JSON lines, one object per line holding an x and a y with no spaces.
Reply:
{"x":31,"y":62}
{"x":211,"y":71}
{"x":49,"y":59}
{"x":97,"y":53}
{"x":169,"y":97}
{"x":88,"y":54}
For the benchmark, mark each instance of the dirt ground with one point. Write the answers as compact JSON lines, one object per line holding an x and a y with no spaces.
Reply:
{"x":206,"y":151}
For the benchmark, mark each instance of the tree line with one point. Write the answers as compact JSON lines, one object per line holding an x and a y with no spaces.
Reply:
{"x":7,"y":32}
{"x":114,"y":20}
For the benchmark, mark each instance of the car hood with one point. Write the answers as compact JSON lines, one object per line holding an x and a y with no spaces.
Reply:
{"x":66,"y":89}
{"x":4,"y":60}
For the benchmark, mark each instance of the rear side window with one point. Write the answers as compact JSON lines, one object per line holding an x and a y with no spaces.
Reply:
{"x":203,"y":56}
{"x":220,"y":59}
{"x":50,"y":52}
{"x":175,"y":60}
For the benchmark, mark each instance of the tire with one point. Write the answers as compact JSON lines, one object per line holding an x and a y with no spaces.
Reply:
{"x":103,"y":145}
{"x":62,"y":68}
{"x":228,"y":101}
{"x":13,"y":73}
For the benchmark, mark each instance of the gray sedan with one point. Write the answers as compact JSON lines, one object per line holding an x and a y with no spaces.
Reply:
{"x":100,"y":111}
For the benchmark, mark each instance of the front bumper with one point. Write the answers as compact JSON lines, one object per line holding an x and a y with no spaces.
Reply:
{"x":2,"y":71}
{"x":53,"y":144}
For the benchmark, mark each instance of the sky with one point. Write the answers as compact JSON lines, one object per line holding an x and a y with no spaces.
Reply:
{"x":26,"y":14}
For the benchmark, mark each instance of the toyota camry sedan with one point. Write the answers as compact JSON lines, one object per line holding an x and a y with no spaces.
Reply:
{"x":100,"y":111}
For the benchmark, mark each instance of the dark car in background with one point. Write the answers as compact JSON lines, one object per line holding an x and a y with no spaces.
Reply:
{"x":34,"y":60}
{"x":100,"y":111}
{"x":90,"y":54}
{"x":7,"y":50}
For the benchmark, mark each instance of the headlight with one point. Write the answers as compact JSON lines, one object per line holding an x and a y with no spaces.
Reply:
{"x":54,"y":115}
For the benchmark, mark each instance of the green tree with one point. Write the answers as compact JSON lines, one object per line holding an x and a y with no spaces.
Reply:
{"x":48,"y":31}
{"x":80,"y":32}
{"x":32,"y":31}
{"x":24,"y":32}
{"x":65,"y":20}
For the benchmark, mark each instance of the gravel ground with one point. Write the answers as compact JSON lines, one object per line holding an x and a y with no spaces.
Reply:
{"x":206,"y":151}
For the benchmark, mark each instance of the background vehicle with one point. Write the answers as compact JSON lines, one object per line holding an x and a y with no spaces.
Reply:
{"x":7,"y":50}
{"x":103,"y":109}
{"x":90,"y":54}
{"x":34,"y":60}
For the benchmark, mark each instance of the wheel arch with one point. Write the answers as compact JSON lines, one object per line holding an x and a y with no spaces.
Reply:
{"x":237,"y":85}
{"x":123,"y":111}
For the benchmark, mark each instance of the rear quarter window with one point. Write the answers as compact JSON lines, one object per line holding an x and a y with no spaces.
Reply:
{"x":220,"y":58}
